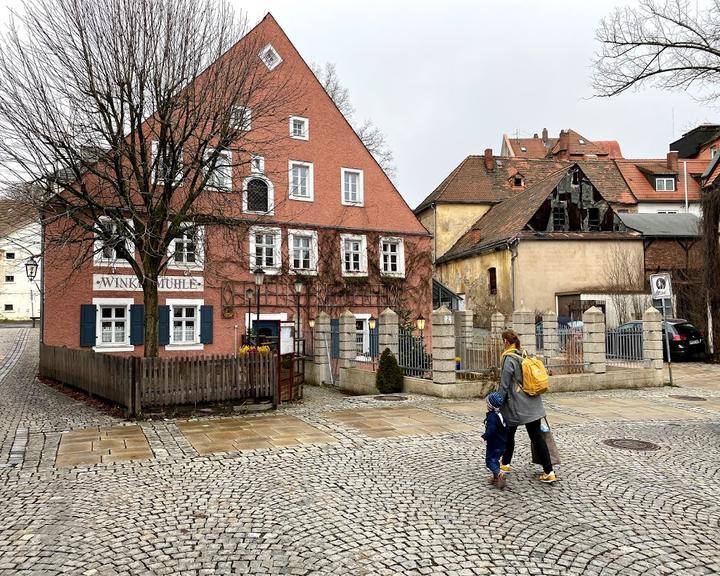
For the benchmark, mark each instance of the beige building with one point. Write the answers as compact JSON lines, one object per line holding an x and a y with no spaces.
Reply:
{"x":535,"y":247}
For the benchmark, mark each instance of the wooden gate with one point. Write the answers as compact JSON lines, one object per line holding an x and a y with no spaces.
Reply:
{"x":291,"y":372}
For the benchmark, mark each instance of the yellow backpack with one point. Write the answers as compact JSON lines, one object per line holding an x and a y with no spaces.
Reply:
{"x":535,"y":375}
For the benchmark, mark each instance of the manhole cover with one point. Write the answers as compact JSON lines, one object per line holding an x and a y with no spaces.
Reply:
{"x":388,"y":398}
{"x":689,"y":398}
{"x":630,"y":444}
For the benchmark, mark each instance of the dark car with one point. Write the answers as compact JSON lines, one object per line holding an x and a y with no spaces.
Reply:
{"x":686,"y":341}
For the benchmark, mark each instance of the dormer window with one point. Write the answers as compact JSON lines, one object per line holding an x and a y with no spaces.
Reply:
{"x":518,"y":181}
{"x":665,"y":184}
{"x":270,"y":57}
{"x":523,"y":149}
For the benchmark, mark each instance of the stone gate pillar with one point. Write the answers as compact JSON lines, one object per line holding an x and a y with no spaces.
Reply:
{"x":524,"y":325}
{"x":653,"y":338}
{"x":594,"y":340}
{"x":321,"y":349}
{"x":443,"y":346}
{"x":388,"y":331}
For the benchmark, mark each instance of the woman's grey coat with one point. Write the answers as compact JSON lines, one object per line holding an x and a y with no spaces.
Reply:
{"x":517,"y":408}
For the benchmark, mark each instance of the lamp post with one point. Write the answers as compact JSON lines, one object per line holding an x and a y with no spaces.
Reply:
{"x":298,"y":285}
{"x":31,"y":268}
{"x":259,"y":278}
{"x":372,"y":322}
{"x":248,"y":295}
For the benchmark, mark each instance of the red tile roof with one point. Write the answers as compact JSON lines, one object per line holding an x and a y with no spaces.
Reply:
{"x":569,"y":145}
{"x":639,"y":175}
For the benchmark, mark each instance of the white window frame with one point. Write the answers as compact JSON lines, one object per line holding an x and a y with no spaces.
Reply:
{"x":155,"y":179}
{"x":366,"y":336}
{"x":271,"y":195}
{"x":310,"y":181}
{"x":361,"y":187}
{"x":306,"y":128}
{"x":363,"y":254}
{"x":184,"y":303}
{"x":241,"y":118}
{"x":199,"y":263}
{"x":225,"y":171}
{"x":277,"y":249}
{"x":257,"y":164}
{"x":313,"y":235}
{"x":278,"y":58}
{"x":115,"y":303}
{"x":100,"y":260}
{"x":400,"y":256}
{"x":664,"y":180}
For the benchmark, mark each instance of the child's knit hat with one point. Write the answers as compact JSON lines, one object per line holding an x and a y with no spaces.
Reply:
{"x":495,"y":400}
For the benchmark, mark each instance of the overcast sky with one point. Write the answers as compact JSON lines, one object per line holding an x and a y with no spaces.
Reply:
{"x":447,"y":79}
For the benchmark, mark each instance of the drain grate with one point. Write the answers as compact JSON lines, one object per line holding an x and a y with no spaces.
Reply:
{"x":390,"y":398}
{"x":630,"y":444}
{"x":689,"y":398}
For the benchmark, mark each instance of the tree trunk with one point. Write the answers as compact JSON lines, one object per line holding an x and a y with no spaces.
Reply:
{"x":711,"y":241}
{"x":150,"y":300}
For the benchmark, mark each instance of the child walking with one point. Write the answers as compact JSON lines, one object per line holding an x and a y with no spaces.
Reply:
{"x":495,"y":437}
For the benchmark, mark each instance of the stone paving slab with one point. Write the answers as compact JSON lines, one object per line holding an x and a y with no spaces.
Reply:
{"x":251,"y":433}
{"x":625,"y":409}
{"x":396,"y":422}
{"x":102,"y":445}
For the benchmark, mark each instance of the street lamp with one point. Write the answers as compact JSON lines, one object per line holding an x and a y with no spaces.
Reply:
{"x":31,"y":268}
{"x":420,"y":322}
{"x":311,"y":323}
{"x":259,"y":278}
{"x":372,"y":322}
{"x":298,"y":325}
{"x":248,"y":295}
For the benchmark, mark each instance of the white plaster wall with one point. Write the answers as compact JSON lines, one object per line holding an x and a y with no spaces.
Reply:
{"x":23,"y":295}
{"x":655,"y":207}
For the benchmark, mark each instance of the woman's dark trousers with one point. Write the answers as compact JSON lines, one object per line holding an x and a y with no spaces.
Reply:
{"x":536,"y":437}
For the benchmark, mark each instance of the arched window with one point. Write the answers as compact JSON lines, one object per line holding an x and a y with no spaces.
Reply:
{"x":258,"y":195}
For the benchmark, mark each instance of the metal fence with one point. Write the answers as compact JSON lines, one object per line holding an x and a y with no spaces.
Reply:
{"x":413,"y":358}
{"x":569,"y":358}
{"x":478,"y":353}
{"x":624,"y":345}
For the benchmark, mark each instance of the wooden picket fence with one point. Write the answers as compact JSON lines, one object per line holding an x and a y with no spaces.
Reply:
{"x":139,"y":383}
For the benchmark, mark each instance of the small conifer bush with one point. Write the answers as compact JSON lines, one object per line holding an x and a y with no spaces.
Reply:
{"x":389,"y":377}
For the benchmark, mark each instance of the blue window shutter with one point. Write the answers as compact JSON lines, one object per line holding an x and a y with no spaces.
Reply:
{"x":206,"y":324}
{"x":335,"y":338}
{"x":87,"y":324}
{"x":137,"y":324}
{"x":375,"y":339}
{"x":164,"y":327}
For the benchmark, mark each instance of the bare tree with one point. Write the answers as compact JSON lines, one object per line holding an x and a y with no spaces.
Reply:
{"x":128,"y":117}
{"x":624,"y":275}
{"x":674,"y":45}
{"x":372,"y":137}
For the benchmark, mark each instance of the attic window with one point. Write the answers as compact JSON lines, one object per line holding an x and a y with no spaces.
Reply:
{"x":270,"y":57}
{"x":594,"y":219}
{"x":576,"y":177}
{"x":581,"y":141}
{"x":518,"y":181}
{"x":523,"y":149}
{"x":665,"y":184}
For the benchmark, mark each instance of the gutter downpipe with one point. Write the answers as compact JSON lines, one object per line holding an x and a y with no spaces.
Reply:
{"x":687,"y":208}
{"x":434,"y":240}
{"x":512,"y":246}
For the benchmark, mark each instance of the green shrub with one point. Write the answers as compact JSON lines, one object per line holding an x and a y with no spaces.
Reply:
{"x":389,"y":377}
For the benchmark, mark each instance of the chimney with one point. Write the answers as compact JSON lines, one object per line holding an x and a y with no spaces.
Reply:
{"x":489,"y":162}
{"x":545,"y":135}
{"x":535,"y":136}
{"x":672,"y":161}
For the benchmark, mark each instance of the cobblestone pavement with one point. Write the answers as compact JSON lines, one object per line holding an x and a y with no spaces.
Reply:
{"x":416,"y":504}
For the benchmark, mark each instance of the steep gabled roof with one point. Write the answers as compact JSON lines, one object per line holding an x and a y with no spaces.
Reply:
{"x":472,"y":183}
{"x":693,"y":141}
{"x":570,"y":144}
{"x":14,"y":215}
{"x":505,"y":220}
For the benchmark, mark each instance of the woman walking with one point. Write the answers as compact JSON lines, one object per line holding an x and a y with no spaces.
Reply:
{"x":521,"y":408}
